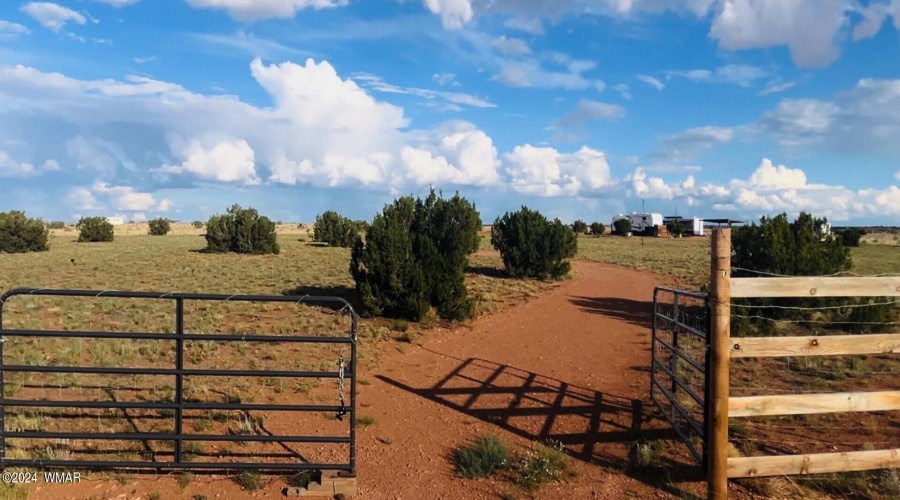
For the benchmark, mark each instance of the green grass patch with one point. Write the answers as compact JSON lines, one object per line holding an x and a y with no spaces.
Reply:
{"x":542,"y":464}
{"x":482,"y":458}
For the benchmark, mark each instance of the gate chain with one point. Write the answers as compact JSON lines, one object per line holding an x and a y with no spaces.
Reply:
{"x":342,"y":411}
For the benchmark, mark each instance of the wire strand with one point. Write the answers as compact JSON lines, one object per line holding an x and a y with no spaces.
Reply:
{"x":839,"y":273}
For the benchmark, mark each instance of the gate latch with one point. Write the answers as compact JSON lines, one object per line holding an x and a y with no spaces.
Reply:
{"x":342,"y":410}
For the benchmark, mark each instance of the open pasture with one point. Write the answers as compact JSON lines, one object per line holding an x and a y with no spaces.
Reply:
{"x":687,"y":259}
{"x":174,"y":263}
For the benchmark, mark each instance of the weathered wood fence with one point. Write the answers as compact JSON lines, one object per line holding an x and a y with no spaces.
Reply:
{"x":723,"y":348}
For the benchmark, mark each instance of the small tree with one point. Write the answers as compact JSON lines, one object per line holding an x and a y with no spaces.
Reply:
{"x":335,"y":230}
{"x":159,"y":227}
{"x":197,"y":224}
{"x":850,"y":237}
{"x":622,"y":227}
{"x":241,"y":230}
{"x":789,"y":248}
{"x":580,"y":227}
{"x":675,"y":228}
{"x":778,"y":246}
{"x":597,"y":228}
{"x":361,"y":226}
{"x":532,"y":246}
{"x":414,"y":257}
{"x":94,"y":229}
{"x":20,"y":234}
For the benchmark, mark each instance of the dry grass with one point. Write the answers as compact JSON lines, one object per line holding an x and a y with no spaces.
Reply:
{"x":685,"y":259}
{"x":889,"y":239}
{"x":172,"y":263}
{"x":181,"y":229}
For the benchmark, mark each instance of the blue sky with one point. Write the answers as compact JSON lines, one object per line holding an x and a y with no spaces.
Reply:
{"x":580,"y":108}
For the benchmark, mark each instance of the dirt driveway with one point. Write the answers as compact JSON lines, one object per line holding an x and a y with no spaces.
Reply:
{"x":570,"y":365}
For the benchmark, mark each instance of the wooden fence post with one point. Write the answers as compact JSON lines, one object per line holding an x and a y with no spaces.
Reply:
{"x":720,"y":297}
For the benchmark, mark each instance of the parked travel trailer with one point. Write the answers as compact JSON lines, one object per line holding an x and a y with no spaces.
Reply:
{"x":642,"y":223}
{"x":693,"y":226}
{"x":115,"y":221}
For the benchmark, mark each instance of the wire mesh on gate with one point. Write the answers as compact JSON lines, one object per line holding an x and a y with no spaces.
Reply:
{"x":678,"y":370}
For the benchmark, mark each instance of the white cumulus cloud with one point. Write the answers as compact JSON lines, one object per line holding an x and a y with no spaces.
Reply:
{"x":52,"y":16}
{"x":454,"y":13}
{"x":255,"y":10}
{"x":544,"y":171}
{"x":224,"y":161}
{"x":10,"y":30}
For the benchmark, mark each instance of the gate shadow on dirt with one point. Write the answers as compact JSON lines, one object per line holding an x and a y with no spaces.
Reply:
{"x":541,"y":408}
{"x":636,"y":312}
{"x":593,"y":426}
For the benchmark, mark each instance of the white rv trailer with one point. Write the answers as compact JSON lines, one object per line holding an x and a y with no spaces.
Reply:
{"x":692,"y":226}
{"x":647,"y":223}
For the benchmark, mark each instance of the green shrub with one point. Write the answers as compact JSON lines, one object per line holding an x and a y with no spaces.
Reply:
{"x":481,"y":458}
{"x":249,"y":480}
{"x":865,"y":318}
{"x":850,"y":237}
{"x":241,"y":230}
{"x":197,"y":224}
{"x":57,"y":224}
{"x":675,"y":228}
{"x":94,"y":229}
{"x":335,"y":230}
{"x":580,"y":227}
{"x":414,"y":257}
{"x":777,"y":246}
{"x":361,"y":226}
{"x":597,"y":228}
{"x":542,"y":464}
{"x":531,"y":246}
{"x":789,"y":248}
{"x":622,"y":227}
{"x":20,"y":234}
{"x":159,"y":227}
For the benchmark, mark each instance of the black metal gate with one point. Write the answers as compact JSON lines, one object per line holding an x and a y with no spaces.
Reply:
{"x":178,"y":405}
{"x":679,"y":380}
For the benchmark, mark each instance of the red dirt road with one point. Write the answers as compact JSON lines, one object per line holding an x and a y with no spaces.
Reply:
{"x":567,"y":366}
{"x":570,"y":365}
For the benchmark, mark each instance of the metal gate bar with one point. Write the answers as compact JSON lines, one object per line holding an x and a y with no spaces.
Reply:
{"x":179,"y":372}
{"x":664,"y":359}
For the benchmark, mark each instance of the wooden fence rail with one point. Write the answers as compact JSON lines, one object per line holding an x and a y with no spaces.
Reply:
{"x":722,"y":289}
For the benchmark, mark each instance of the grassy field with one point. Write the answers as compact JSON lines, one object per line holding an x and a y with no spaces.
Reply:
{"x":687,"y":259}
{"x":173,"y":263}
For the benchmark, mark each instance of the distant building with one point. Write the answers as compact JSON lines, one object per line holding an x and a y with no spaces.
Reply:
{"x":115,"y":221}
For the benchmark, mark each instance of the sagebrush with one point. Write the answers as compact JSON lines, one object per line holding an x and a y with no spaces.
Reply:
{"x":20,"y":234}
